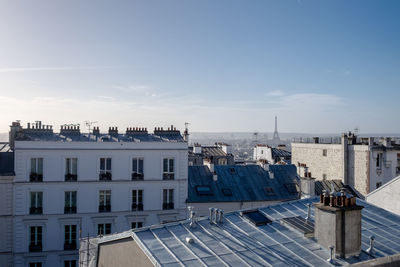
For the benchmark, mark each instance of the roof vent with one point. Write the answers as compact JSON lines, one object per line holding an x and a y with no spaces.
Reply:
{"x":189,"y":240}
{"x":370,"y":250}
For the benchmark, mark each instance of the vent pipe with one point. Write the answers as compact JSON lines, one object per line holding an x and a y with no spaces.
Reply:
{"x":370,"y":250}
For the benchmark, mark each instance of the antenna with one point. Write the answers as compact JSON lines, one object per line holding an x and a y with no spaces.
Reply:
{"x":89,"y":123}
{"x":356,"y":130}
{"x":255,"y":135}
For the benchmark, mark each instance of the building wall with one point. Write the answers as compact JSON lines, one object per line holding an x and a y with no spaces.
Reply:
{"x":358,"y":165}
{"x":387,"y":196}
{"x":263,"y":152}
{"x":6,"y":222}
{"x":88,"y":185}
{"x":311,"y":154}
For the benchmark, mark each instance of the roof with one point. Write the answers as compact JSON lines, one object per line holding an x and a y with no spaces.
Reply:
{"x":241,"y":183}
{"x":321,"y":185}
{"x":84,"y":137}
{"x":388,"y":184}
{"x":6,"y":160}
{"x":276,"y":152}
{"x":238,"y":242}
{"x":209,"y":151}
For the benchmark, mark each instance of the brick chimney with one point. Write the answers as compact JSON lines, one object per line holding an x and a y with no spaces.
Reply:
{"x":113,"y":131}
{"x":338,"y":223}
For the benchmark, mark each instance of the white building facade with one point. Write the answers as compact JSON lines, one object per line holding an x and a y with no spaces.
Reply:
{"x":365,"y":164}
{"x":89,"y":185}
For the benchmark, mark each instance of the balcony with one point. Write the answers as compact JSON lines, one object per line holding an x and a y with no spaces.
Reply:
{"x":104,"y":208}
{"x":35,"y":177}
{"x":137,"y":176}
{"x":137,"y":207}
{"x":168,"y":206}
{"x":35,"y":247}
{"x":35,"y":210}
{"x":168,"y":176}
{"x":70,"y":246}
{"x":105,"y":176}
{"x":71,"y":177}
{"x":69,"y":210}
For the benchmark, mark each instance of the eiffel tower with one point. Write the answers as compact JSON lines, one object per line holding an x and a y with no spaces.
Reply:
{"x":276,"y":136}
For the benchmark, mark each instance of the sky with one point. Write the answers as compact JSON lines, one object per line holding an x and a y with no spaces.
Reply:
{"x":222,"y":66}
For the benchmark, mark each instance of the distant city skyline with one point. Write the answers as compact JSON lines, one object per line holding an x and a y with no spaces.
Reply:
{"x":222,"y":66}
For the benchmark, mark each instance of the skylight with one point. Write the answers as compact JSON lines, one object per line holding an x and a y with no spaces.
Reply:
{"x":255,"y":217}
{"x":269,"y":191}
{"x":203,"y":190}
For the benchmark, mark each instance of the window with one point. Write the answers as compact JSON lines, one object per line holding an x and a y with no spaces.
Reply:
{"x":379,"y":184}
{"x":324,"y":152}
{"x":35,"y":264}
{"x":292,"y":188}
{"x":71,"y":169}
{"x":226,"y":192}
{"x":262,"y":151}
{"x":36,"y":203}
{"x":168,"y":169}
{"x":70,"y":263}
{"x":137,"y":200}
{"x":105,"y":169}
{"x":232,"y":170}
{"x":137,"y":169}
{"x":398,"y":164}
{"x":70,"y":202}
{"x":36,"y":174}
{"x":323,"y":176}
{"x":168,"y":199}
{"x":135,"y":225}
{"x":222,"y":161}
{"x":35,"y":243}
{"x":69,"y":237}
{"x":105,"y":201}
{"x":203,"y":190}
{"x":269,"y":191}
{"x":104,"y":229}
{"x":379,"y":160}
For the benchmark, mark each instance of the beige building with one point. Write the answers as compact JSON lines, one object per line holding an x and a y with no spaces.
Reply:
{"x":362,"y":163}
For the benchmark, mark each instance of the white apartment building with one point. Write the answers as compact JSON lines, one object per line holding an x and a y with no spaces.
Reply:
{"x":70,"y":185}
{"x":270,"y":154}
{"x":363,"y":163}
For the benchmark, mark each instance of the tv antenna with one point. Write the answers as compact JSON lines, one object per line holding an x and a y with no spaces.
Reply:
{"x":89,"y":124}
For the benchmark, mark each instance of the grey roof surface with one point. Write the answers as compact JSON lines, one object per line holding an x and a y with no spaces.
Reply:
{"x":83,"y":137}
{"x":280,"y":153}
{"x":209,"y":151}
{"x":337,"y":184}
{"x":237,"y":242}
{"x":6,"y":160}
{"x":245,"y":182}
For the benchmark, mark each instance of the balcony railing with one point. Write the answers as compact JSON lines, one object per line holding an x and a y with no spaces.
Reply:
{"x":168,"y":206}
{"x":137,"y":207}
{"x":70,"y":246}
{"x":137,"y":176}
{"x":71,"y":177}
{"x":168,"y":176}
{"x":35,"y":210}
{"x":104,"y":208}
{"x":68,"y":210}
{"x":35,"y":247}
{"x":35,"y":177}
{"x":105,"y":176}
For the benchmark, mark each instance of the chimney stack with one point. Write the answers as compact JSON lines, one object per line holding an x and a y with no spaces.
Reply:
{"x":338,"y":223}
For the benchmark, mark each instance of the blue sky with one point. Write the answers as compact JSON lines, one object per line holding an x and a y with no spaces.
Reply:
{"x":321,"y":66}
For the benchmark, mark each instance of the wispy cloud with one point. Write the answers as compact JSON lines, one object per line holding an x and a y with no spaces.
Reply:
{"x":65,"y":68}
{"x":275,"y":93}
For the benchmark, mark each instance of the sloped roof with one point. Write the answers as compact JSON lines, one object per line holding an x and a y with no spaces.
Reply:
{"x":321,"y":185}
{"x":238,"y":242}
{"x":280,"y":153}
{"x":6,"y":160}
{"x":245,"y":182}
